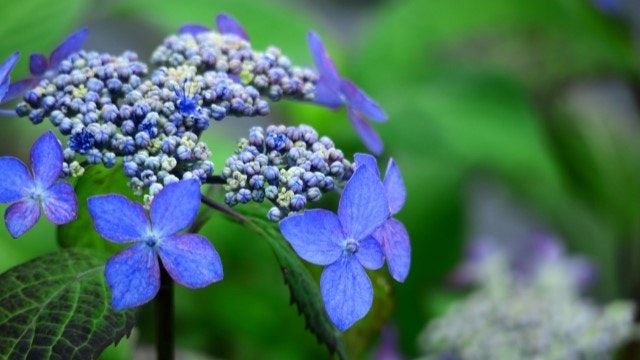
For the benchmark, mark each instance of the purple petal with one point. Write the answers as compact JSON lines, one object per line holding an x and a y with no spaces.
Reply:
{"x":315,"y":235}
{"x":370,"y":254}
{"x":346,"y":291}
{"x":38,"y":64}
{"x":363,"y":204}
{"x":15,"y":179}
{"x":46,"y":159}
{"x":60,"y":203}
{"x":193,"y":29}
{"x":117,"y":218}
{"x":368,"y":161}
{"x":367,"y":134}
{"x":396,"y":247}
{"x":21,"y":216}
{"x":175,"y":207}
{"x":360,"y":101}
{"x":18,"y":88}
{"x":327,"y":69}
{"x":133,"y":275}
{"x":73,"y":43}
{"x":327,"y":96}
{"x":191,"y":260}
{"x":394,"y":187}
{"x":228,"y":25}
{"x":5,"y":71}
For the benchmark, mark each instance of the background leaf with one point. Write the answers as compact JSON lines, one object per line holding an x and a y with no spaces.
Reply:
{"x":58,"y":306}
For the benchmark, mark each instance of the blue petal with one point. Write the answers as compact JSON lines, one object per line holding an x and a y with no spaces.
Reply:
{"x":327,"y":96}
{"x":60,"y":203}
{"x":18,"y":88}
{"x":15,"y":179}
{"x":193,"y":29}
{"x":191,"y":260}
{"x":133,"y":275}
{"x":327,"y":69}
{"x":315,"y":235}
{"x":363,"y":204}
{"x":368,"y":161}
{"x":175,"y":207}
{"x":394,"y":187}
{"x":5,"y":71}
{"x":370,"y":254}
{"x":369,"y":137}
{"x":360,"y":101}
{"x":228,"y":25}
{"x":73,"y":43}
{"x":394,"y":239}
{"x":118,"y":219}
{"x":46,"y":160}
{"x":346,"y":291}
{"x":38,"y":64}
{"x":21,"y":216}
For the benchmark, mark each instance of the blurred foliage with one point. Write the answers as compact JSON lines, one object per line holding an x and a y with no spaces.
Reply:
{"x":469,"y":88}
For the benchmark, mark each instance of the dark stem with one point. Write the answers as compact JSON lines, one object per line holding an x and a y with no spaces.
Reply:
{"x":223,"y":209}
{"x":164,"y":315}
{"x":215,"y":179}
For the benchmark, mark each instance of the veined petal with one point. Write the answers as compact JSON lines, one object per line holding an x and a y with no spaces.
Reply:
{"x":358,"y":100}
{"x":60,"y":203}
{"x":38,"y":64}
{"x":326,"y":67}
{"x":394,"y":187}
{"x":5,"y":71}
{"x":367,"y":134}
{"x":191,"y":260}
{"x":46,"y":159}
{"x":117,"y":218}
{"x":21,"y":216}
{"x":315,"y":235}
{"x":73,"y":43}
{"x":193,"y":29}
{"x":133,"y":275}
{"x":15,"y":178}
{"x":326,"y":95}
{"x":175,"y":207}
{"x":227,"y":24}
{"x":367,"y":160}
{"x":370,"y":254}
{"x":18,"y":88}
{"x":363,"y":205}
{"x":394,"y":239}
{"x":346,"y":291}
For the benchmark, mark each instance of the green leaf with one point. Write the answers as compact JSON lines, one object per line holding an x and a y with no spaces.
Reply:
{"x":305,"y":292}
{"x":58,"y":306}
{"x":97,"y":180}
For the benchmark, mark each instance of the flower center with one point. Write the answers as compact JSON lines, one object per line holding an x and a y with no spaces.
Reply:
{"x":351,"y":246}
{"x":151,"y":240}
{"x":36,"y":194}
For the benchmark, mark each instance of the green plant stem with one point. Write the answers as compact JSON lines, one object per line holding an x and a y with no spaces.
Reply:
{"x":165,"y":344}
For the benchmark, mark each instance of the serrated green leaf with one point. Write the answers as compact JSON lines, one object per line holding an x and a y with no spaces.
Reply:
{"x":57,"y":306}
{"x":305,"y":292}
{"x":97,"y":180}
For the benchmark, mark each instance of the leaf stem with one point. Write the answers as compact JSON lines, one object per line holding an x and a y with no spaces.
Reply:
{"x":165,"y":343}
{"x":223,"y":209}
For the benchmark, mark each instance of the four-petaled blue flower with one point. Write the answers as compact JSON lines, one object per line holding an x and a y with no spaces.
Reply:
{"x":392,"y":235}
{"x":225,"y":23}
{"x":333,"y":92}
{"x":28,"y":192}
{"x":5,"y":71}
{"x":39,"y":64}
{"x":134,"y":273}
{"x":344,"y":244}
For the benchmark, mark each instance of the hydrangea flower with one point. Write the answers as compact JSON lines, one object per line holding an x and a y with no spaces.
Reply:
{"x":28,"y":191}
{"x":5,"y":71}
{"x":344,"y":244}
{"x":226,"y":24}
{"x":134,"y":273}
{"x":392,"y":235}
{"x":333,"y":92}
{"x":39,"y":64}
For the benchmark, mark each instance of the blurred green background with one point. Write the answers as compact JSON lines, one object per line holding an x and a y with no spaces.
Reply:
{"x":530,"y":104}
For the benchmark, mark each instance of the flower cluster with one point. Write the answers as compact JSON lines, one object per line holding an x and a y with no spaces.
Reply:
{"x":288,"y":166}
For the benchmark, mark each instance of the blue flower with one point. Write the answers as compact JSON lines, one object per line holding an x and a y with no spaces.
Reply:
{"x":27,"y":192}
{"x":39,"y":64}
{"x":333,"y":92}
{"x":5,"y":71}
{"x":392,"y":235}
{"x":134,"y":273}
{"x":226,"y":25}
{"x":344,"y":244}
